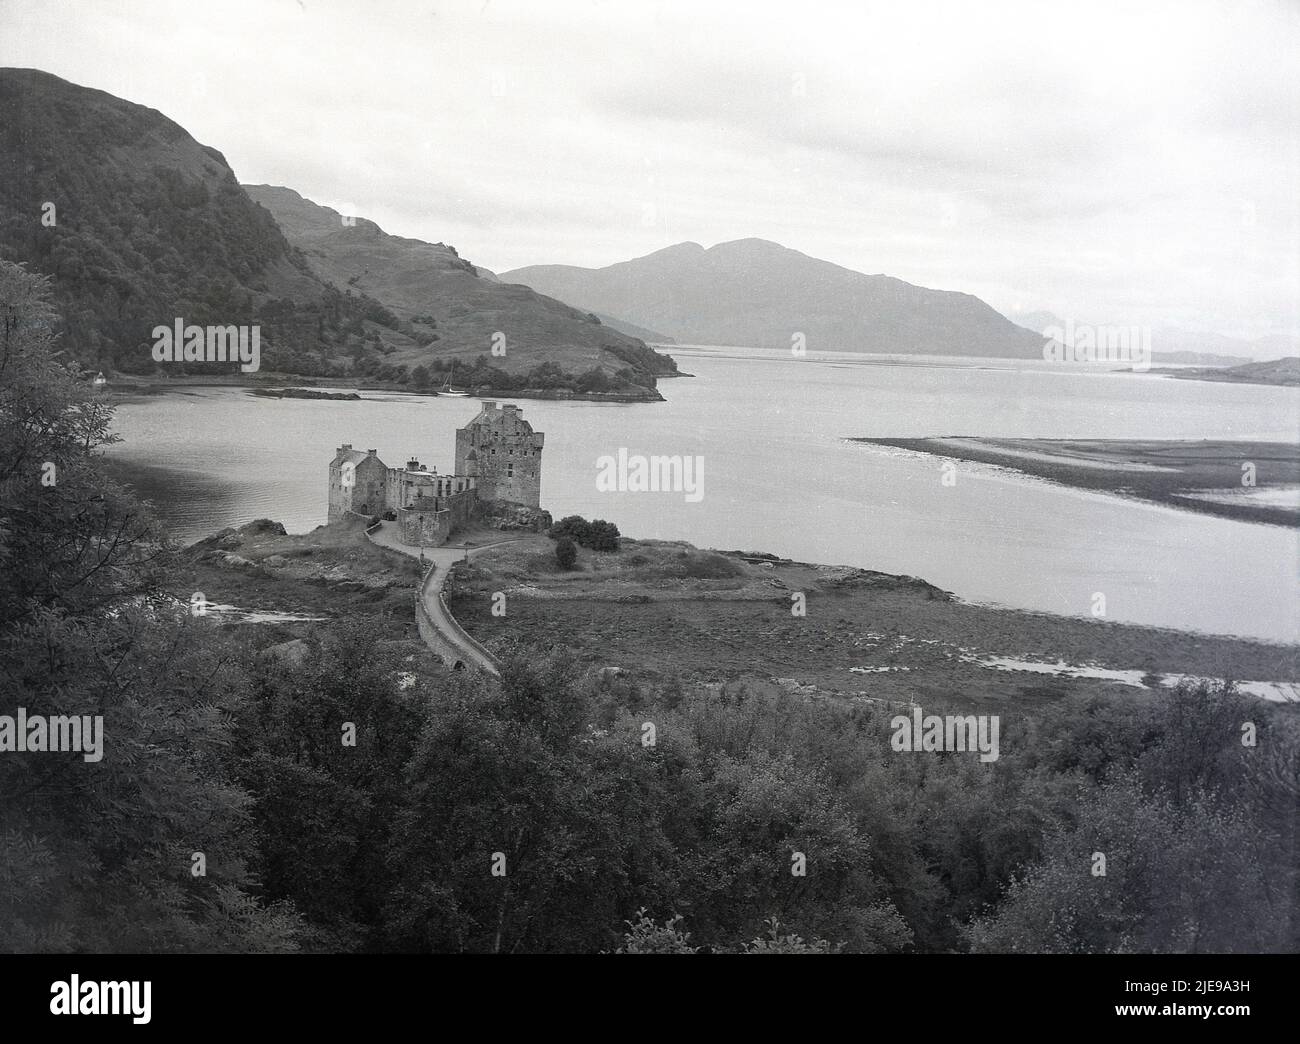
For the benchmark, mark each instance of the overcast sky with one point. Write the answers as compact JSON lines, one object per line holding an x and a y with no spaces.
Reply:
{"x":1132,"y":163}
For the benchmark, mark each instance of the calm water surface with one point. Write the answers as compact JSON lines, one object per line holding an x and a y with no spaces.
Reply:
{"x":780,"y":476}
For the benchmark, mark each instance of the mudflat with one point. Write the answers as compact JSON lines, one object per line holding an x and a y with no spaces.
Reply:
{"x":1242,"y":480}
{"x":663,"y":609}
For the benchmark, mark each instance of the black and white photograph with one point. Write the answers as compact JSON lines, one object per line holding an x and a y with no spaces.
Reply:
{"x":650,"y":477}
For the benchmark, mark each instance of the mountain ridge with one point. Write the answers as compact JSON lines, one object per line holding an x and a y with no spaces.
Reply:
{"x":138,"y":224}
{"x":758,"y":293}
{"x":455,"y":310}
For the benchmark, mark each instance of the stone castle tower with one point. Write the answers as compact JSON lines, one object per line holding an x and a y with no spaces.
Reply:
{"x":503,"y":453}
{"x":358,"y":483}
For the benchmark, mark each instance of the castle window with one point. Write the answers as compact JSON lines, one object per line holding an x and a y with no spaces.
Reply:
{"x":510,"y":470}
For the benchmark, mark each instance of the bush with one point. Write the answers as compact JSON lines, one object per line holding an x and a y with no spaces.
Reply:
{"x":595,"y":380}
{"x":645,"y":935}
{"x":602,"y":535}
{"x":597,"y":534}
{"x":566,"y":553}
{"x":572,"y":526}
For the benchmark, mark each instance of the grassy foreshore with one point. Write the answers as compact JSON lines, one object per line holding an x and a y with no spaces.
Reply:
{"x":333,"y":573}
{"x":1216,"y":477}
{"x":663,"y":609}
{"x":660,"y":610}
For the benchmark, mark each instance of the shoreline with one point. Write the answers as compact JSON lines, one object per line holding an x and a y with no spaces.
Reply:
{"x":1203,"y":476}
{"x":663,"y":608}
{"x":125,"y":387}
{"x":659,"y":607}
{"x":1220,"y":375}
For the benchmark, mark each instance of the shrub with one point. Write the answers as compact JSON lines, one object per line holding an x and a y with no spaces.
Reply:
{"x":566,"y":553}
{"x":572,"y":526}
{"x":597,"y":534}
{"x":645,"y":935}
{"x":601,"y":535}
{"x":706,"y":565}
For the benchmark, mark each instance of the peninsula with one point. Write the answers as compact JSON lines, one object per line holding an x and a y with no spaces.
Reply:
{"x":1247,"y":481}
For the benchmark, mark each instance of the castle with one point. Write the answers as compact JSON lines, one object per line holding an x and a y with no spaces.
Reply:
{"x":498,"y":475}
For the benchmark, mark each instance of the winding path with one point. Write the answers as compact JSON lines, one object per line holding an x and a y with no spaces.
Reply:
{"x":444,"y":635}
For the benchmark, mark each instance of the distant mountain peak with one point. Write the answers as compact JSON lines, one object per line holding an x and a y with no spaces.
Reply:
{"x":688,"y":248}
{"x":759,"y":293}
{"x":749,"y":243}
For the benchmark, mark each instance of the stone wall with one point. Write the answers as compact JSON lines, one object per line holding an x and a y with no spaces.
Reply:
{"x":423,"y":526}
{"x":434,"y":638}
{"x":438,"y":642}
{"x":462,"y":508}
{"x":505,"y":516}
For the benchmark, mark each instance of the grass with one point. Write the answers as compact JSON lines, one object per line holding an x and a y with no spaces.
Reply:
{"x":662,"y":608}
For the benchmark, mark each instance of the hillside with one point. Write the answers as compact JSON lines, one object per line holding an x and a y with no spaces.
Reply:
{"x":632,"y":330}
{"x":1173,"y":344}
{"x":451,"y":310}
{"x":760,"y":294}
{"x":138,"y":224}
{"x":1274,"y":371}
{"x":148,"y":225}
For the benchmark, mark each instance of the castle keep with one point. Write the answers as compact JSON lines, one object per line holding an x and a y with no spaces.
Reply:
{"x":500,"y":449}
{"x":498,"y":474}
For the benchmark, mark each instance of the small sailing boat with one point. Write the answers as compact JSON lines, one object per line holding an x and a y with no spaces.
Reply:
{"x":446,"y":385}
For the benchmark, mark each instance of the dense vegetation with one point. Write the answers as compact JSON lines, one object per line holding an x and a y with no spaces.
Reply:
{"x":551,"y":810}
{"x":147,"y":225}
{"x":597,"y":534}
{"x":566,"y":553}
{"x":480,"y":374}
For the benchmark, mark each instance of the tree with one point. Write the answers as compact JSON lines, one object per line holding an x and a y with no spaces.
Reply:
{"x":325,"y":802}
{"x":69,"y":536}
{"x":602,"y":535}
{"x":515,"y":831}
{"x":572,"y":526}
{"x":775,"y":942}
{"x":566,"y":553}
{"x":646,"y":935}
{"x":597,"y":534}
{"x":1177,"y":879}
{"x":594,"y":380}
{"x":103,"y":854}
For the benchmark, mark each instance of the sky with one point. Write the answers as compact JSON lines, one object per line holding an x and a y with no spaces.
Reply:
{"x":1133,"y":162}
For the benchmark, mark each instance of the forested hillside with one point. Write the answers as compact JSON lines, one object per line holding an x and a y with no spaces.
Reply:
{"x":139,"y":224}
